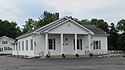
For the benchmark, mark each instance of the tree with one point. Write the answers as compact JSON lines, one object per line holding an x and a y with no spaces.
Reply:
{"x":121,"y":25}
{"x":113,"y":38}
{"x":84,"y":21}
{"x":121,"y":39}
{"x":102,"y":24}
{"x":9,"y":29}
{"x":44,"y":19}
{"x":75,"y":19}
{"x":30,"y":24}
{"x":121,"y":42}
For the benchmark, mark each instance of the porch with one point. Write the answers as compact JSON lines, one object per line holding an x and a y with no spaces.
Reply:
{"x":67,"y":44}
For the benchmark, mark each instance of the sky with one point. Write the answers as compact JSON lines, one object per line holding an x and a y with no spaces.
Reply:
{"x":20,"y":10}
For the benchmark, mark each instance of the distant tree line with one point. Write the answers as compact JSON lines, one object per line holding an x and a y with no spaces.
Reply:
{"x":116,"y":40}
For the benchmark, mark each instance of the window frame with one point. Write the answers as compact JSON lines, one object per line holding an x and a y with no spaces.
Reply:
{"x":52,"y":44}
{"x":22,"y":45}
{"x":1,"y":49}
{"x":31,"y":44}
{"x":79,"y":44}
{"x":19,"y":46}
{"x":4,"y":42}
{"x":96,"y":44}
{"x":26,"y":44}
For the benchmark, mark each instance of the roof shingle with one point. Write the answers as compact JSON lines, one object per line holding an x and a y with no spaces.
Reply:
{"x":97,"y":31}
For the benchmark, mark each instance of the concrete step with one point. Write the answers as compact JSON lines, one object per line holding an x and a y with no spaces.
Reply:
{"x":67,"y":56}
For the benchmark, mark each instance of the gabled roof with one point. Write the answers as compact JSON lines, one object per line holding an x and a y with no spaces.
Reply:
{"x":89,"y":28}
{"x":43,"y":28}
{"x":50,"y":25}
{"x":59,"y":22}
{"x":97,"y":31}
{"x":8,"y":38}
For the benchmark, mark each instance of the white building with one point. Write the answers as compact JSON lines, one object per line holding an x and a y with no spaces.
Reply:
{"x":62,"y":37}
{"x":6,"y":45}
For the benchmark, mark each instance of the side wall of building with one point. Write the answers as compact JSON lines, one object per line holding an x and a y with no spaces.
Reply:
{"x":39,"y":41}
{"x":104,"y":47}
{"x":21,"y":48}
{"x":6,"y":48}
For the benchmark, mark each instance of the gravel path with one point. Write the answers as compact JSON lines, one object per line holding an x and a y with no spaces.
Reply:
{"x":87,"y":63}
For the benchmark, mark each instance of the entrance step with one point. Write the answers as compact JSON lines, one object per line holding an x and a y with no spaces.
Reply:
{"x":74,"y":56}
{"x":68,"y":56}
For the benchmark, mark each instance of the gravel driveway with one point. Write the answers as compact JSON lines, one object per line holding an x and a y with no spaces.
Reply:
{"x":87,"y":63}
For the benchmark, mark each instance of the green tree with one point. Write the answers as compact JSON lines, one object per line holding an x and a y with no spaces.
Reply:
{"x":102,"y":24}
{"x":121,"y":42}
{"x":44,"y":19}
{"x":29,"y":26}
{"x":9,"y":29}
{"x":84,"y":21}
{"x":113,"y":38}
{"x":121,"y":39}
{"x":75,"y":19}
{"x":121,"y":25}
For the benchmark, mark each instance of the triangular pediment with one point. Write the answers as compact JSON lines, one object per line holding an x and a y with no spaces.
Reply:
{"x":64,"y":25}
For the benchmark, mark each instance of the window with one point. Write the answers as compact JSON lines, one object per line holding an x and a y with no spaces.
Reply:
{"x":19,"y":46}
{"x":79,"y":44}
{"x":26,"y":44}
{"x":4,"y":42}
{"x":31,"y":43}
{"x":14,"y":47}
{"x":1,"y":49}
{"x":96,"y":44}
{"x":22,"y":45}
{"x":7,"y":48}
{"x":52,"y":44}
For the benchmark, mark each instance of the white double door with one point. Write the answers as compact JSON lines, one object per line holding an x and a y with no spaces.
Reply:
{"x":68,"y":44}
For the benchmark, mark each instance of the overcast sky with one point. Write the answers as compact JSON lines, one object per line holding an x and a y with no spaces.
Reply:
{"x":20,"y":10}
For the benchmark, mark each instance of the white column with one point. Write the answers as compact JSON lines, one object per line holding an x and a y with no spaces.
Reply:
{"x":33,"y":37}
{"x":89,"y":39}
{"x":62,"y":44}
{"x":46,"y":44}
{"x":75,"y":43}
{"x":17,"y":49}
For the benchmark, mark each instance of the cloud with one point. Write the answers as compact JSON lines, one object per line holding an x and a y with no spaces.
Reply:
{"x":109,"y":10}
{"x":76,"y":7}
{"x":10,"y":11}
{"x":21,"y":10}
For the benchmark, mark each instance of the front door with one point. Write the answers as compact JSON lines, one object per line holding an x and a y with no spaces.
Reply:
{"x":67,"y":44}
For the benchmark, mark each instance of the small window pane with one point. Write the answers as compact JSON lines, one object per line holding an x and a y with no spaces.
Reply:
{"x":31,"y":42}
{"x":26,"y":44}
{"x":96,"y":44}
{"x":52,"y":44}
{"x":81,"y":44}
{"x":22,"y":45}
{"x":19,"y":46}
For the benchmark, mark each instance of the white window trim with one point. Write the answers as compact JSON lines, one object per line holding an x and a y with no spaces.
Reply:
{"x":80,"y":44}
{"x":95,"y":46}
{"x":53,"y":44}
